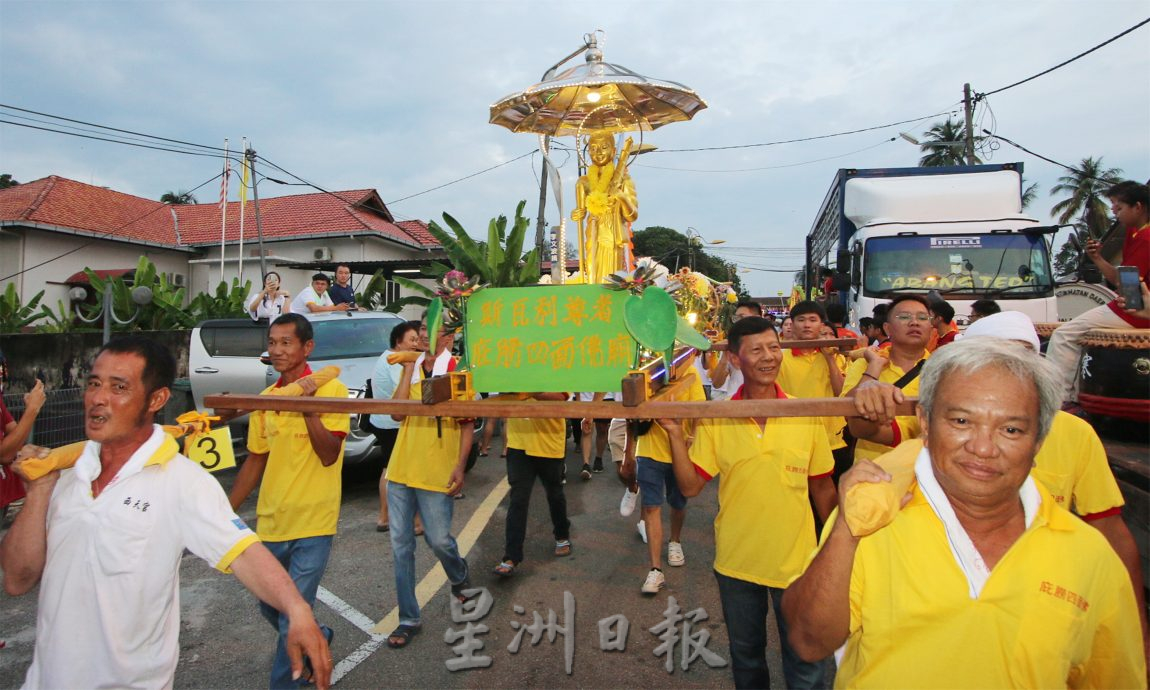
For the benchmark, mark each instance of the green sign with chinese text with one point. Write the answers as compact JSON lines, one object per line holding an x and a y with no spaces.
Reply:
{"x":548,"y":338}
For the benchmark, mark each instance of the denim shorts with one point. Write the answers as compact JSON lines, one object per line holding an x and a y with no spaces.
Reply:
{"x":656,"y":482}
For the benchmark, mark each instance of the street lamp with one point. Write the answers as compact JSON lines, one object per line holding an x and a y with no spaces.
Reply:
{"x":694,"y":238}
{"x":141,"y":295}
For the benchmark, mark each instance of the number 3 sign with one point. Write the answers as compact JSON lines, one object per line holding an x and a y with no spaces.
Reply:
{"x":212,"y":450}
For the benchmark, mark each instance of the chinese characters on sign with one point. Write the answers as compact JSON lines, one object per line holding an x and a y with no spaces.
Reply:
{"x":674,"y":630}
{"x":560,"y":338}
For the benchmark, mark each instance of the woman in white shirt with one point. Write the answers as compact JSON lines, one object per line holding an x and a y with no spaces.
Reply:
{"x":270,"y":302}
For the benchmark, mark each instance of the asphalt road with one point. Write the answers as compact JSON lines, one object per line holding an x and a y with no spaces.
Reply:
{"x":226,"y":644}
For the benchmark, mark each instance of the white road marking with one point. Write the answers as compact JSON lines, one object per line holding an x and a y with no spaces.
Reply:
{"x":424,"y":591}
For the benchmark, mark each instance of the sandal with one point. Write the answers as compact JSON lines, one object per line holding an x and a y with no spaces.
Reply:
{"x":563,"y":548}
{"x":457,"y":592}
{"x":505,"y":569}
{"x":382,"y":528}
{"x":399,"y":637}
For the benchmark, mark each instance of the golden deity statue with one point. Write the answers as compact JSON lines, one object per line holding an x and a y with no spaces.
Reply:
{"x":605,"y":200}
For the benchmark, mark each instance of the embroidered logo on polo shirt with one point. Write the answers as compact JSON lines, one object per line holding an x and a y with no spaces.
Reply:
{"x":239,"y":523}
{"x":1063,"y":594}
{"x":137,"y":503}
{"x":796,"y":469}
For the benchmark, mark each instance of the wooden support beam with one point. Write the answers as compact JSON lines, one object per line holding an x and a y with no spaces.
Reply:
{"x":843,"y":344}
{"x":501,"y":407}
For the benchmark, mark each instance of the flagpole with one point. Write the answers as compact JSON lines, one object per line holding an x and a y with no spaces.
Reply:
{"x":224,"y":207}
{"x":243,"y":204}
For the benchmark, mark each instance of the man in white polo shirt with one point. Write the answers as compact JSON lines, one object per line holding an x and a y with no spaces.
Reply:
{"x":104,"y":539}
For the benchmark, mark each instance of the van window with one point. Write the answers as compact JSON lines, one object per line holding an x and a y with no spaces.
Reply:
{"x":351,"y":337}
{"x":234,"y":342}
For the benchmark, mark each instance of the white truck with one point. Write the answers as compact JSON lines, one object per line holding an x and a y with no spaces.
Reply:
{"x":959,"y":231}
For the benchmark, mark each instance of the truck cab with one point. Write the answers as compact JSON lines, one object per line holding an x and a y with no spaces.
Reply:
{"x":958,"y":231}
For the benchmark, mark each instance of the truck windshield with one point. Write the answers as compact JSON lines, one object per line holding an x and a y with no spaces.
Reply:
{"x":1014,"y":264}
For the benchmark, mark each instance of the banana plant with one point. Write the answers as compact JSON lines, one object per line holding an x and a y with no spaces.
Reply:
{"x":15,"y":315}
{"x":165,"y":312}
{"x":501,"y":263}
{"x":60,"y":320}
{"x":228,"y":301}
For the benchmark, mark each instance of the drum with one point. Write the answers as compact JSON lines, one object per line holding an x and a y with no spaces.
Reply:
{"x":1115,"y":373}
{"x":1046,"y":329}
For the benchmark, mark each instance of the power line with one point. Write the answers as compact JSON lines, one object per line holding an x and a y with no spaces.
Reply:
{"x":1066,"y":62}
{"x":114,"y":141}
{"x":461,"y":179}
{"x":107,"y":234}
{"x":113,"y":129}
{"x":771,"y":167}
{"x":1040,"y":156}
{"x":814,"y":138}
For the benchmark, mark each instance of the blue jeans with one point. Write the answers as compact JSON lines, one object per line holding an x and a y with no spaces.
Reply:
{"x":304,"y":560}
{"x":745,"y":606}
{"x":657,"y":483}
{"x":436,"y":509}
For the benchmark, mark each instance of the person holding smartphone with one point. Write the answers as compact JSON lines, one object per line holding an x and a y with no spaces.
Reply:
{"x":1130,"y":203}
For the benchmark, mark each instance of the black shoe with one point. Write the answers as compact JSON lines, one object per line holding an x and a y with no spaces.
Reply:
{"x":598,"y":466}
{"x":585,"y":472}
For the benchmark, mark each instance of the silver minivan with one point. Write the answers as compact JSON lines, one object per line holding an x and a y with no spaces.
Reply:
{"x":224,"y":356}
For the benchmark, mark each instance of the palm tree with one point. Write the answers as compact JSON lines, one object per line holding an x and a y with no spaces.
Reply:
{"x":1029,"y":193}
{"x":945,"y":144}
{"x":178,"y":198}
{"x":1085,"y":186}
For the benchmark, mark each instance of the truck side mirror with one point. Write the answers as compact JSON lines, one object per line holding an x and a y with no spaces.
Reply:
{"x":843,"y":261}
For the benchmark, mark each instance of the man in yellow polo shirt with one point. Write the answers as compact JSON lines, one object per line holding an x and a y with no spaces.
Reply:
{"x":425,"y":473}
{"x":771,"y":471}
{"x":535,"y":448}
{"x":816,"y":373}
{"x":908,"y":325}
{"x":296,"y":458}
{"x":981,"y":580}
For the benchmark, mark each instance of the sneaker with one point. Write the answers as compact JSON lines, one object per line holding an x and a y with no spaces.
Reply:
{"x":642,"y":527}
{"x":627,"y":505}
{"x":585,"y":473}
{"x":675,"y":555}
{"x":598,"y":466}
{"x":654,"y":582}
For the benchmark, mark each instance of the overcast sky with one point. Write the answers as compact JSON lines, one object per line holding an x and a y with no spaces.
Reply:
{"x":394,"y":95}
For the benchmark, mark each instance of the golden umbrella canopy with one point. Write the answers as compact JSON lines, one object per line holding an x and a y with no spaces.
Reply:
{"x":596,"y":96}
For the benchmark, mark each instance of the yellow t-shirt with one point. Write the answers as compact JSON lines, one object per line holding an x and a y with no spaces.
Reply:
{"x":1057,"y":611}
{"x":765,"y":529}
{"x":541,"y":438}
{"x":654,"y":444}
{"x":299,"y":497}
{"x":907,"y":425}
{"x":1072,"y":464}
{"x":424,"y":458}
{"x":806,"y":376}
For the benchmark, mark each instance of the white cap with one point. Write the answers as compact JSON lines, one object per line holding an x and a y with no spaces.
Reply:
{"x":1005,"y":325}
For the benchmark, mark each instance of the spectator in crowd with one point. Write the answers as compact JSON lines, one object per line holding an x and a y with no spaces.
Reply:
{"x":341,"y":292}
{"x":1130,"y":203}
{"x":980,"y":308}
{"x":314,"y":299}
{"x":942,"y":321}
{"x":384,"y":379}
{"x":270,"y":302}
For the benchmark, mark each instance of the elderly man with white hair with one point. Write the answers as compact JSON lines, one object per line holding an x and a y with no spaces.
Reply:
{"x":982,"y":579}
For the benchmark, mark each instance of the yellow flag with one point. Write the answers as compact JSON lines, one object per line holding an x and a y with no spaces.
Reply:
{"x":244,"y":183}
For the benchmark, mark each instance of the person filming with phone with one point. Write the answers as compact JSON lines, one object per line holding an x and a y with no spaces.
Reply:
{"x":1130,"y":203}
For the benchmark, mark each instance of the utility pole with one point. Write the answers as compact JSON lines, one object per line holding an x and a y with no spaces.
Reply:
{"x":250,"y":155}
{"x":541,"y":222}
{"x":968,"y":106}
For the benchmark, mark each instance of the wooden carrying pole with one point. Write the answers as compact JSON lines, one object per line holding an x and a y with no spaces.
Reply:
{"x":504,"y":407}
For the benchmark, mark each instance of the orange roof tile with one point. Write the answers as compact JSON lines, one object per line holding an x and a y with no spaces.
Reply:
{"x":59,"y":202}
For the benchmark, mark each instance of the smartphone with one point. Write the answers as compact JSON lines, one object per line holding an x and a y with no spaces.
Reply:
{"x":1130,"y":286}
